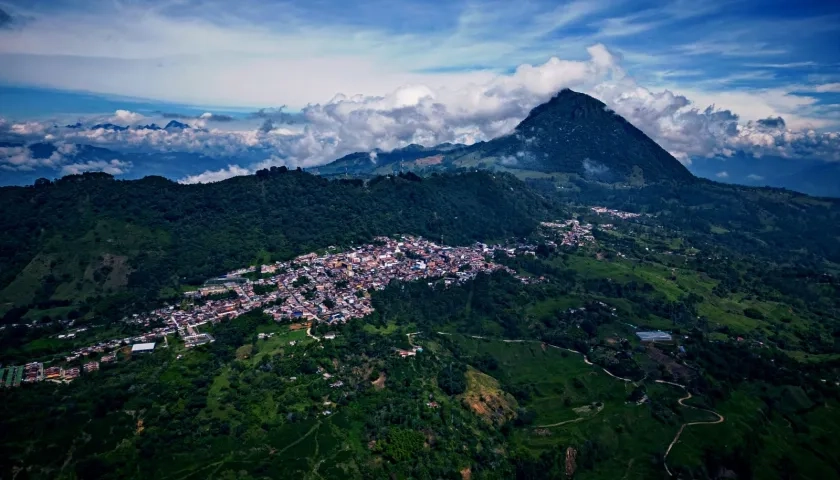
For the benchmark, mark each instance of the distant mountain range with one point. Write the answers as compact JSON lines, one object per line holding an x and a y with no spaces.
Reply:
{"x":172,"y":125}
{"x":575,"y":137}
{"x":571,"y":138}
{"x":138,"y":164}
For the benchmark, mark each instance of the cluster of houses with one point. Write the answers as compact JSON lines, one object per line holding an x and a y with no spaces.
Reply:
{"x":79,"y":360}
{"x":330,"y":288}
{"x":108,"y":347}
{"x":572,"y":233}
{"x":409,"y":353}
{"x":15,"y":375}
{"x":615,"y":213}
{"x":58,"y":374}
{"x":334,"y":287}
{"x":35,"y":372}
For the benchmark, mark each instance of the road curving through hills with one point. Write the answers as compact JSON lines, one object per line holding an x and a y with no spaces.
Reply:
{"x":681,"y":401}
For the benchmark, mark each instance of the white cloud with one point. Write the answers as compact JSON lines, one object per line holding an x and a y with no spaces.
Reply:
{"x":216,"y":176}
{"x":722,"y":174}
{"x":126,"y":116}
{"x":731,"y":49}
{"x":783,"y":65}
{"x":142,"y":53}
{"x":20,"y":158}
{"x":274,"y":55}
{"x":28,"y":128}
{"x":481,"y":110}
{"x":16,"y":158}
{"x":828,"y":87}
{"x":113,"y":167}
{"x":754,"y":177}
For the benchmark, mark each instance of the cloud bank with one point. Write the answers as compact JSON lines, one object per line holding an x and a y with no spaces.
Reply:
{"x":421,"y":114}
{"x":114,"y":167}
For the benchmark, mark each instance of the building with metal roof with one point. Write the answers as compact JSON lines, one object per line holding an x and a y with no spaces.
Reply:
{"x":143,"y":347}
{"x":654,"y":336}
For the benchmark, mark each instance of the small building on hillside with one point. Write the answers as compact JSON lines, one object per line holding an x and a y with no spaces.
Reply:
{"x":143,"y":348}
{"x":191,"y":341}
{"x":654,"y":336}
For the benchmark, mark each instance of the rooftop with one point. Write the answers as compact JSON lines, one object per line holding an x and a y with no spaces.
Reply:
{"x":654,"y":336}
{"x":143,"y":347}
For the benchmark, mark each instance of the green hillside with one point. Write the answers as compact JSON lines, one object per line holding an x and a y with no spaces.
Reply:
{"x":97,"y":246}
{"x":514,"y":380}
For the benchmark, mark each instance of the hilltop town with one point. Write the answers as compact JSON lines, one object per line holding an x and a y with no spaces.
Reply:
{"x":330,"y":288}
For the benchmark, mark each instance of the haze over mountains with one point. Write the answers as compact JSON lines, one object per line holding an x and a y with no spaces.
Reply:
{"x":570,"y":134}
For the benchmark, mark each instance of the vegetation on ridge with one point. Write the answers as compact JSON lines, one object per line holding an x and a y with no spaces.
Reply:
{"x":96,"y":245}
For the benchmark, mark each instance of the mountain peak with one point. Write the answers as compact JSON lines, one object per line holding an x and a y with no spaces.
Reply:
{"x":572,"y":133}
{"x":175,"y":125}
{"x":108,"y":126}
{"x":576,"y":133}
{"x":572,"y":105}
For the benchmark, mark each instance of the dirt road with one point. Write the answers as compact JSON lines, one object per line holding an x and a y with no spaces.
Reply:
{"x":681,"y":401}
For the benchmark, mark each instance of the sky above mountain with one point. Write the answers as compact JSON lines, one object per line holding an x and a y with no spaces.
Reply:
{"x":302,"y":83}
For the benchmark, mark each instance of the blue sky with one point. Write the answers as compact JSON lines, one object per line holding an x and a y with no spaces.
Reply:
{"x":64,"y":60}
{"x":268,"y":53}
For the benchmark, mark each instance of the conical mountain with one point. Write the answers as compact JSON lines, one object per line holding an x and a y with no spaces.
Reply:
{"x":572,"y":133}
{"x":575,"y":133}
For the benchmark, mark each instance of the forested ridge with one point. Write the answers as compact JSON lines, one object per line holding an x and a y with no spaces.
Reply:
{"x":107,"y":245}
{"x":779,"y":225}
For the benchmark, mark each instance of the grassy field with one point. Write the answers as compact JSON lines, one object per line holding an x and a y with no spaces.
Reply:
{"x":280,"y":340}
{"x":560,"y":380}
{"x":673,"y":283}
{"x":95,"y":263}
{"x":388,"y":329}
{"x":589,"y":405}
{"x":549,"y":306}
{"x":311,"y":449}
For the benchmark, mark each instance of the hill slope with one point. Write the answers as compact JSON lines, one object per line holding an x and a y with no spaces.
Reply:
{"x":575,"y":133}
{"x":412,"y":157}
{"x":105,"y":243}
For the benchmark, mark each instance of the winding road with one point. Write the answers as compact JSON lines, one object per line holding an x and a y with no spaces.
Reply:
{"x":585,"y":358}
{"x":681,"y":401}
